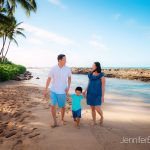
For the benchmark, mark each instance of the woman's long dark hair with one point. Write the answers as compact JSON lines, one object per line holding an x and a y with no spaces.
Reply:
{"x":98,"y":67}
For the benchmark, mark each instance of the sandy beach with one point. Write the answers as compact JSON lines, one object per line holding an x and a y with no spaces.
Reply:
{"x":25,"y":123}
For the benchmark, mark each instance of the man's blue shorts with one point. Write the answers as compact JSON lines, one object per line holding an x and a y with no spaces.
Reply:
{"x":59,"y":99}
{"x":77,"y":113}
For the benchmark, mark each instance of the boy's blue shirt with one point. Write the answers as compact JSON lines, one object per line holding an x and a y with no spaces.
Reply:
{"x":76,"y":101}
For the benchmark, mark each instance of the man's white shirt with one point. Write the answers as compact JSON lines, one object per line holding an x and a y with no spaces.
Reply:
{"x":59,"y":78}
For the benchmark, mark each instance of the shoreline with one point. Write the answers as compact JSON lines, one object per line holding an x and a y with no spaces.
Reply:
{"x":25,"y":122}
{"x":137,"y":74}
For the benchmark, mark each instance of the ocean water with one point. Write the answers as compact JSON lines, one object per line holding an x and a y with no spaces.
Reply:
{"x":125,"y":89}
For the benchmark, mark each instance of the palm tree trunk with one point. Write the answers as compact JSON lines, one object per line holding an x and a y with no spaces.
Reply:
{"x":2,"y":46}
{"x":2,"y":50}
{"x":4,"y":42}
{"x":7,"y":49}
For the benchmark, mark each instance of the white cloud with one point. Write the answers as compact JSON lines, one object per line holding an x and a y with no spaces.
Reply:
{"x":116,"y":16}
{"x":131,"y":22}
{"x":147,"y":35}
{"x":97,"y":42}
{"x":35,"y":40}
{"x":31,"y":57}
{"x":43,"y":34}
{"x":57,"y":3}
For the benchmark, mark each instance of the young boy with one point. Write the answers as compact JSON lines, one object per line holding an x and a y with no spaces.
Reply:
{"x":76,"y":105}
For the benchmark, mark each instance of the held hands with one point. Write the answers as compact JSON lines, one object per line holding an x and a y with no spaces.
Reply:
{"x":84,"y":93}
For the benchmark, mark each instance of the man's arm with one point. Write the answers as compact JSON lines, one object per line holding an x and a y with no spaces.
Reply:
{"x":47,"y":85}
{"x":69,"y":83}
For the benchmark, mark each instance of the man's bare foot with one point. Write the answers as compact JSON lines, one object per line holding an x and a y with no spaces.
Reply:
{"x":93,"y":123}
{"x":54,"y":125}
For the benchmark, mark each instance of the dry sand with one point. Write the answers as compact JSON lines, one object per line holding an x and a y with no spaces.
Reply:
{"x":25,"y":123}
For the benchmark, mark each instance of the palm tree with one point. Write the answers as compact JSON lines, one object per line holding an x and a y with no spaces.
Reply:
{"x":7,"y":9}
{"x":5,"y":28}
{"x":10,"y":32}
{"x":27,"y":5}
{"x":14,"y":31}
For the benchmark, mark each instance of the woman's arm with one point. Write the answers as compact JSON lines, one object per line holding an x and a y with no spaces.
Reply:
{"x":84,"y":92}
{"x":103,"y":87}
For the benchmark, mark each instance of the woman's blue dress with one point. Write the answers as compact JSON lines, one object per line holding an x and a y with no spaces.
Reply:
{"x":94,"y":90}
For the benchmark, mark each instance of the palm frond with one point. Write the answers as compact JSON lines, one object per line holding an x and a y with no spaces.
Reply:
{"x":4,"y":20}
{"x":18,"y":24}
{"x":20,"y":33}
{"x":2,"y":2}
{"x":13,"y":39}
{"x":21,"y":29}
{"x":28,"y":5}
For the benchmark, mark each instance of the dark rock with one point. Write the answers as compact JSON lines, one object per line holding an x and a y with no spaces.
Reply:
{"x":26,"y":76}
{"x":1,"y":130}
{"x":9,"y":134}
{"x":34,"y":135}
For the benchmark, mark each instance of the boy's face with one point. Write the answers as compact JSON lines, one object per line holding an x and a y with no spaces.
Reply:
{"x":78,"y":92}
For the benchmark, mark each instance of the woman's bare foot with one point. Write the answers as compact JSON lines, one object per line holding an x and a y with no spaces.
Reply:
{"x":78,"y":127}
{"x":63,"y":122}
{"x":101,"y":120}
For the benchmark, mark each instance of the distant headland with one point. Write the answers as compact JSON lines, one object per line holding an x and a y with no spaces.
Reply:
{"x":123,"y":73}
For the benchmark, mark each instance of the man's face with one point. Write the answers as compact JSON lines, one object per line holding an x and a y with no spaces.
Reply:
{"x":63,"y":61}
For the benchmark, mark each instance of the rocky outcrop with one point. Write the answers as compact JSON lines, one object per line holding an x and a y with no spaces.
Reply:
{"x":26,"y":76}
{"x":123,"y":73}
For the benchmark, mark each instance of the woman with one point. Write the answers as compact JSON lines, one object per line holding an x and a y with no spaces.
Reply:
{"x":95,"y":91}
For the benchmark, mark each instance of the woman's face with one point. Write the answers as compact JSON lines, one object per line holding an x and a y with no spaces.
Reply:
{"x":93,"y":67}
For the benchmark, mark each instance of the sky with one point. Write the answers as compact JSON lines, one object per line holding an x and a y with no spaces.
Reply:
{"x":114,"y":32}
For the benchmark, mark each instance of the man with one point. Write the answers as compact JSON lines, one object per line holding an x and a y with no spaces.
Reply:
{"x":60,"y":75}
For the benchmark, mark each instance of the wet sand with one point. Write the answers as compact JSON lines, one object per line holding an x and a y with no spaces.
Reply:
{"x":25,"y":123}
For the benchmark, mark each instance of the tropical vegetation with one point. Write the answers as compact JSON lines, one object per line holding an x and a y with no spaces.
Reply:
{"x":9,"y":30}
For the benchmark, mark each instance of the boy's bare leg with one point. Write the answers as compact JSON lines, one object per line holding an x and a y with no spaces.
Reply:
{"x":62,"y":115}
{"x":75,"y":122}
{"x":53,"y":111}
{"x":78,"y":122}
